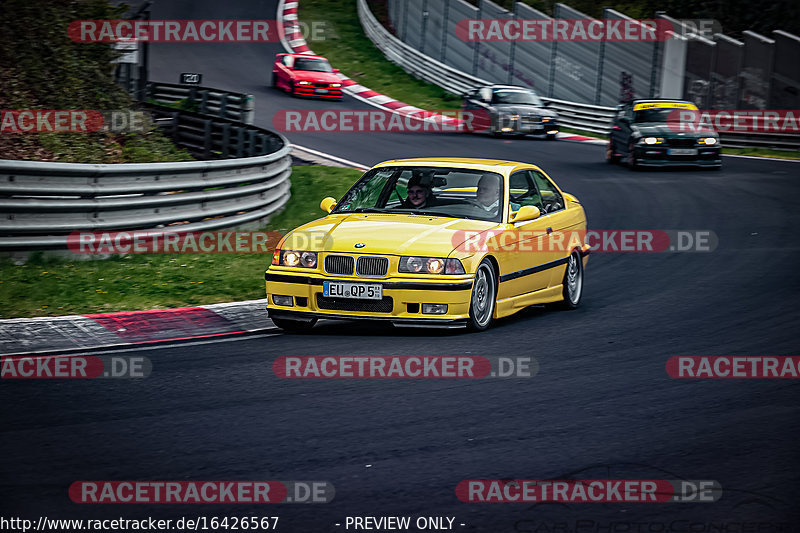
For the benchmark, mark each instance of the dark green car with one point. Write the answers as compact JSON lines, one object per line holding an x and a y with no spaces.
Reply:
{"x":658,"y":133}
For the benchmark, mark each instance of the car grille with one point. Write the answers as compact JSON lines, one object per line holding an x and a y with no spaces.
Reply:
{"x":347,"y":304}
{"x":681,"y":143}
{"x":341,"y":265}
{"x":372,"y":266}
{"x":530,"y":120}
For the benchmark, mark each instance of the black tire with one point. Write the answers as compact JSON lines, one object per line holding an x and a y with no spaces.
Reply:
{"x":273,"y":81}
{"x":551,"y":136}
{"x":611,"y":158}
{"x":291,"y":88}
{"x":633,"y":163}
{"x":572,"y":286}
{"x":483,"y":298}
{"x":294,"y":326}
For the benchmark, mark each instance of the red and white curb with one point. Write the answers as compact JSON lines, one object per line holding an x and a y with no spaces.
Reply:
{"x":294,"y":42}
{"x":43,"y":335}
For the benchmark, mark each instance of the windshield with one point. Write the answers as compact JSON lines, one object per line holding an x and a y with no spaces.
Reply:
{"x":661,"y":115}
{"x":313,"y":65}
{"x":446,"y":192}
{"x":516,"y":97}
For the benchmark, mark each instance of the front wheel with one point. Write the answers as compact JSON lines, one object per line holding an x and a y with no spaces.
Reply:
{"x":482,"y":302}
{"x":633,"y":163}
{"x":573,"y":283}
{"x":294,"y":326}
{"x":611,"y":157}
{"x":551,"y":136}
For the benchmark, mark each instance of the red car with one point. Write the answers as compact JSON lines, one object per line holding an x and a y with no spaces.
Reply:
{"x":306,"y":75}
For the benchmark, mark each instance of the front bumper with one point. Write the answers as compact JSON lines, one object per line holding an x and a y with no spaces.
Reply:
{"x":310,"y":90}
{"x":658,"y":156}
{"x":401,"y":304}
{"x":524,"y":126}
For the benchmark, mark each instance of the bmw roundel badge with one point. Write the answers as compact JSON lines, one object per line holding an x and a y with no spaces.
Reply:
{"x":360,"y":245}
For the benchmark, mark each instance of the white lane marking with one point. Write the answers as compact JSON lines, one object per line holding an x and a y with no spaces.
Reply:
{"x":137,"y":347}
{"x":762,"y":158}
{"x":352,"y":164}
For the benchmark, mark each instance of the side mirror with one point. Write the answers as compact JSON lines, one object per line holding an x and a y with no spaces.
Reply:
{"x":525,"y":213}
{"x":328,"y":204}
{"x":545,"y":103}
{"x":336,"y":71}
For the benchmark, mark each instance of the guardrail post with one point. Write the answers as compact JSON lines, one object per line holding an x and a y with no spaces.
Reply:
{"x":251,"y":143}
{"x":223,"y":105}
{"x":207,"y":138}
{"x":226,"y":139}
{"x":239,"y":142}
{"x":204,"y":101}
{"x":248,"y":107}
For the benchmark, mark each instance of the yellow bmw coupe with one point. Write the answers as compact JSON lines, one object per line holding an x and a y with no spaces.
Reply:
{"x":442,"y":242}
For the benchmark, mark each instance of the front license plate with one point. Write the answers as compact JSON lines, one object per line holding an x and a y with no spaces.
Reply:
{"x":682,"y":151}
{"x":321,"y":91}
{"x":360,"y":291}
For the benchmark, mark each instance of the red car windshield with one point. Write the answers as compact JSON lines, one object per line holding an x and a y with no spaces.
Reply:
{"x":312,"y":65}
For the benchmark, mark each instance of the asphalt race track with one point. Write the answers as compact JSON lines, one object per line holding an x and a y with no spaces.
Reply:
{"x":601,"y":407}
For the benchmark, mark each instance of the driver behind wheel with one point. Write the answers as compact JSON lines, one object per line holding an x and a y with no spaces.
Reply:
{"x":420,"y":195}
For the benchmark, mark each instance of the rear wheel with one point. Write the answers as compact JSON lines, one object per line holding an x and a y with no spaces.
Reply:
{"x":274,"y":81}
{"x":294,"y":326}
{"x":484,"y":290}
{"x":572,"y":284}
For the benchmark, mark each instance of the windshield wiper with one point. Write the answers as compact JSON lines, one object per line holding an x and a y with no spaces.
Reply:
{"x":369,"y":210}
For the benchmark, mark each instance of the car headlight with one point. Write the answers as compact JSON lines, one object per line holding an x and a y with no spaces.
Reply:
{"x":653,"y":140}
{"x":303,"y":83}
{"x":336,"y":84}
{"x":707,"y":140}
{"x":430,"y":265}
{"x":294,"y":258}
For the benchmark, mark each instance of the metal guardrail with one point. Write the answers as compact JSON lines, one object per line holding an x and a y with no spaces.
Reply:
{"x":586,"y":117}
{"x":205,"y":100}
{"x":596,"y":119}
{"x":413,"y":61}
{"x":42,"y":203}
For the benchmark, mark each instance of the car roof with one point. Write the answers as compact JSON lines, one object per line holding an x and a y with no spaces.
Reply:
{"x":648,"y":100}
{"x":489,"y":165}
{"x":494,"y":87}
{"x":312,"y":56}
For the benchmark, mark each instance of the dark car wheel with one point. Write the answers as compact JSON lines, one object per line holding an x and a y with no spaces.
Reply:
{"x":633,"y":163}
{"x":611,"y":156}
{"x":292,"y":88}
{"x":572,"y":284}
{"x":274,"y":81}
{"x":294,"y":326}
{"x":484,"y":292}
{"x":551,"y":136}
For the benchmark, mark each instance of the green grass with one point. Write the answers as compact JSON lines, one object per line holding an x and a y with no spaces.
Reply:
{"x":349,"y":50}
{"x":763,"y":152}
{"x":49,"y":286}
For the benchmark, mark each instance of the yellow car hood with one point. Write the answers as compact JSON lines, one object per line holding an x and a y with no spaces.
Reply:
{"x":386,"y":234}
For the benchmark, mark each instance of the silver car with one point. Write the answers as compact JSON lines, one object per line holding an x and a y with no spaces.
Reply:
{"x":513,"y":110}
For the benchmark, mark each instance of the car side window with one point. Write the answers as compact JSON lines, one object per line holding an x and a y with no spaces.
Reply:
{"x":551,"y":199}
{"x":522,"y":190}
